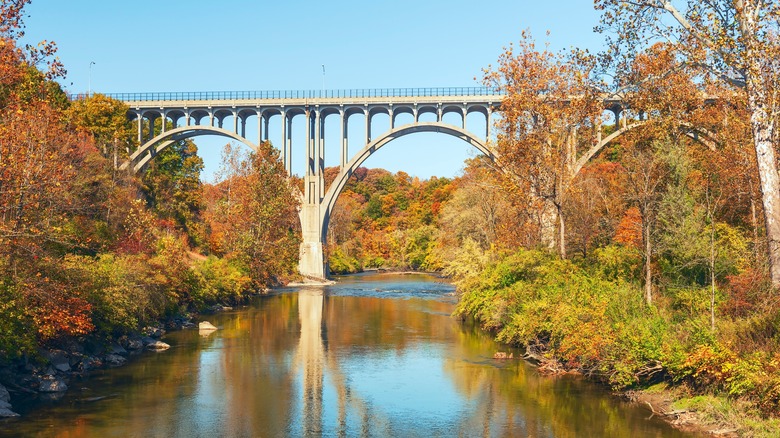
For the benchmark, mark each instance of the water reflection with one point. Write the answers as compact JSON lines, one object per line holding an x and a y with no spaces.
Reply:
{"x":366,"y":357}
{"x":310,"y":357}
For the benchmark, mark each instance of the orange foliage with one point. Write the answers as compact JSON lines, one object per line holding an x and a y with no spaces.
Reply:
{"x":56,"y":310}
{"x":745,"y":292}
{"x":629,"y":230}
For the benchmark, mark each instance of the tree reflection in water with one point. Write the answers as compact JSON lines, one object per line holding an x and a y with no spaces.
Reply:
{"x":369,"y":356}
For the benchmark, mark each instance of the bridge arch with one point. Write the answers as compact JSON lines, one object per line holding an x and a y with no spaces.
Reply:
{"x":337,"y":186}
{"x":701,"y":135}
{"x":139,"y":160}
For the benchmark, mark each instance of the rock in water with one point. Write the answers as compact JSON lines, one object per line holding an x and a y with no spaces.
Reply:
{"x":157,"y":346}
{"x":134,"y":343}
{"x":115,"y":360}
{"x":52,"y":385}
{"x":5,"y":410}
{"x":58,"y":359}
{"x":5,"y":403}
{"x":4,"y":395}
{"x":205,"y":325}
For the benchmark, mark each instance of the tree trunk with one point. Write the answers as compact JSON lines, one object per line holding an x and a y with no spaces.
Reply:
{"x":548,"y":219}
{"x":712,"y":274}
{"x":754,"y":222}
{"x":562,"y":232}
{"x":762,"y":125}
{"x":648,"y":267}
{"x":762,"y":128}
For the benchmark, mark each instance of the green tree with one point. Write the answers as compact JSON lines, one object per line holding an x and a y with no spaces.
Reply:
{"x":106,"y":120}
{"x":173,"y":188}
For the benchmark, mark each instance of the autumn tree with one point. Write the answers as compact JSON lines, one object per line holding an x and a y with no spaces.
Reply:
{"x":646,"y":172}
{"x":39,"y":192}
{"x":477,"y":209}
{"x":252,"y":214}
{"x":595,"y":205}
{"x":732,"y":41}
{"x":550,"y":98}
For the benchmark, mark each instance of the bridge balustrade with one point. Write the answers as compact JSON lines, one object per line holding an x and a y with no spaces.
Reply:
{"x":299,"y":94}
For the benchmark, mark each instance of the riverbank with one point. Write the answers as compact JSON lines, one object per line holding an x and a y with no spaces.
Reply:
{"x":667,"y":403}
{"x":48,"y":374}
{"x":669,"y":360}
{"x":670,"y":403}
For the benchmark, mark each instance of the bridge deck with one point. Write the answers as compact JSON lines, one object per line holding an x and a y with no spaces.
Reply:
{"x":384,"y":96}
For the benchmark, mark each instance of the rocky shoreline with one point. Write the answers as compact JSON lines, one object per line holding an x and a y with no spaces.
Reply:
{"x":48,"y":375}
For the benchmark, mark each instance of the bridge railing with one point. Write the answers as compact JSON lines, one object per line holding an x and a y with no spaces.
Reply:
{"x":299,"y":94}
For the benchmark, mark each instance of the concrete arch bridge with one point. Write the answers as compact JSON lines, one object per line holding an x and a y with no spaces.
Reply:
{"x":193,"y":114}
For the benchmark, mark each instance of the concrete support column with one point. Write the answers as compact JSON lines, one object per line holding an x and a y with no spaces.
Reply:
{"x":235,"y":122}
{"x":488,"y":122}
{"x":140,"y":128}
{"x":311,"y":258}
{"x":465,"y":114}
{"x":344,"y":141}
{"x":368,"y":125}
{"x":438,"y":113}
{"x":392,"y":119}
{"x":163,"y":121}
{"x":152,"y":120}
{"x":310,"y":152}
{"x":318,"y":143}
{"x":267,"y":124}
{"x":211,"y":117}
{"x":287,"y":143}
{"x":259,"y":128}
{"x":320,"y":156}
{"x":187,"y":115}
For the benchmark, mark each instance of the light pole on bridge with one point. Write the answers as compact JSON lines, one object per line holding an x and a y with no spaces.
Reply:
{"x":89,"y":84}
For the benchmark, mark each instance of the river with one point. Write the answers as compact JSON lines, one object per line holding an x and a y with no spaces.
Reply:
{"x":373,"y":355}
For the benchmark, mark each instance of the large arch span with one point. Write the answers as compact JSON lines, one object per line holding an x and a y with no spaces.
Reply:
{"x":139,"y":160}
{"x":337,"y":186}
{"x":703,"y":136}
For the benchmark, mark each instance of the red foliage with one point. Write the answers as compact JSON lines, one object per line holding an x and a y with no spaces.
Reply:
{"x":629,"y":230}
{"x":56,"y":310}
{"x":745,"y":291}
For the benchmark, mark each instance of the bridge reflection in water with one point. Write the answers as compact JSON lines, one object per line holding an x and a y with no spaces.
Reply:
{"x":311,"y":362}
{"x":310,"y":358}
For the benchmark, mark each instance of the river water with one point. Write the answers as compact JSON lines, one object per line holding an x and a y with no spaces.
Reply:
{"x":374,"y":355}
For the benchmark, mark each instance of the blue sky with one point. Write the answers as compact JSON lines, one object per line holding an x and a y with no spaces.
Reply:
{"x":201,"y":45}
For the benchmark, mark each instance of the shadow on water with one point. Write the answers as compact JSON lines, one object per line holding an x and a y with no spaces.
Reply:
{"x":373,"y":355}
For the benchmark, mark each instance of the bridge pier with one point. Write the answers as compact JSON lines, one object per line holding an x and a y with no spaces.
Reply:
{"x":311,"y":254}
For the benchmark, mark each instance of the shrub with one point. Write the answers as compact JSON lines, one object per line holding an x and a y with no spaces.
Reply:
{"x":219,"y":280}
{"x":17,"y":332}
{"x":341,"y":263}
